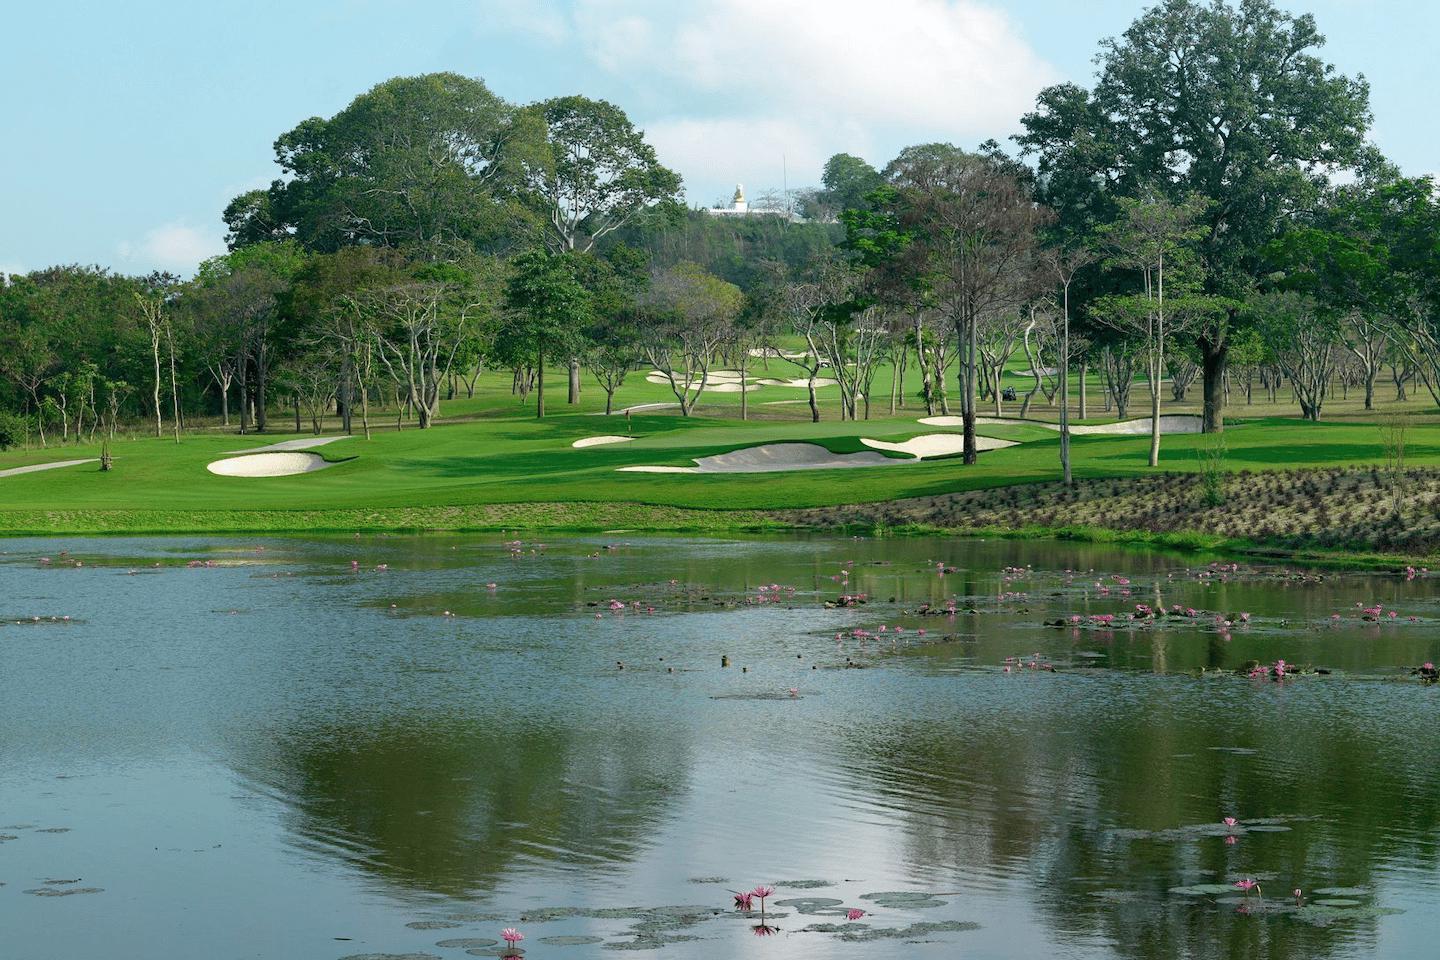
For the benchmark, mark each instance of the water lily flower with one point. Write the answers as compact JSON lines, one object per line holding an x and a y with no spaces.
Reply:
{"x":511,"y":936}
{"x":744,"y":901}
{"x":1229,"y":821}
{"x":853,"y":914}
{"x":1247,"y":885}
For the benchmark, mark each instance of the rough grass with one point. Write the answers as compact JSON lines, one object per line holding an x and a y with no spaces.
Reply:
{"x":1301,"y":511}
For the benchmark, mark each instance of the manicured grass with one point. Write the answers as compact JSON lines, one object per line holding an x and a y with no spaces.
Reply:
{"x":441,"y":477}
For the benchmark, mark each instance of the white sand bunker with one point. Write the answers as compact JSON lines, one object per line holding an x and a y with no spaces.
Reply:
{"x":775,"y":457}
{"x":639,"y":408}
{"x":937,"y":445}
{"x":284,"y":464}
{"x":801,"y":383}
{"x":727,"y":386}
{"x":304,"y":443}
{"x":600,"y":441}
{"x":37,"y":467}
{"x":1171,"y":423}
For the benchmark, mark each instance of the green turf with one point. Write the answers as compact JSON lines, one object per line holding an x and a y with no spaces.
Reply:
{"x":518,"y":460}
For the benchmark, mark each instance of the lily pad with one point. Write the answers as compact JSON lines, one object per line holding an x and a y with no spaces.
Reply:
{"x":1203,"y":890}
{"x":432,"y":924}
{"x":809,"y":904}
{"x":63,"y":891}
{"x":1336,"y":902}
{"x":391,"y":956}
{"x":467,"y":943}
{"x":1341,"y":892}
{"x":496,"y":951}
{"x":574,"y":941}
{"x":1322,"y":916}
{"x":859,"y":933}
{"x":803,"y":884}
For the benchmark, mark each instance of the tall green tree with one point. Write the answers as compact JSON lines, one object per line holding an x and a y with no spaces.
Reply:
{"x":430,"y":163}
{"x":597,"y":174}
{"x":1225,"y":100}
{"x":549,"y":309}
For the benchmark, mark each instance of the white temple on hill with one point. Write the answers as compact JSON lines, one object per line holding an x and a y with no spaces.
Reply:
{"x":740,"y":207}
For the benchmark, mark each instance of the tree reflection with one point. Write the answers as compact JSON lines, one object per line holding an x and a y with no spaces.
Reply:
{"x":449,"y":805}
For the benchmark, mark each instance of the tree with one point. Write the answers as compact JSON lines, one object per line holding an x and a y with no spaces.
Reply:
{"x":429,"y":163}
{"x":848,"y":181}
{"x":694,"y":311}
{"x":597,"y":175}
{"x":1303,"y":338}
{"x":1225,"y":101}
{"x":152,"y":314}
{"x":1064,"y":264}
{"x":549,"y":307}
{"x":421,"y":324}
{"x":1149,"y":237}
{"x":975,"y":225}
{"x":612,"y":339}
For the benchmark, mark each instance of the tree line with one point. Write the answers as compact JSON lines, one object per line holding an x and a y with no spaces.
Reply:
{"x":1208,"y":215}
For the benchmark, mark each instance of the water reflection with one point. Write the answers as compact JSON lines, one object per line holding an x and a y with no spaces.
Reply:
{"x":448,"y":804}
{"x":433,"y":747}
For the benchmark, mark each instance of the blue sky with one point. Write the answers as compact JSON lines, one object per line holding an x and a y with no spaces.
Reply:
{"x":125,"y":127}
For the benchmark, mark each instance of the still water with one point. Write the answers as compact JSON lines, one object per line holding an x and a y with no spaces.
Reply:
{"x":312,"y":748}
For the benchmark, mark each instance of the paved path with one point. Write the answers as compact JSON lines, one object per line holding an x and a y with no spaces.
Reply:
{"x":37,"y":467}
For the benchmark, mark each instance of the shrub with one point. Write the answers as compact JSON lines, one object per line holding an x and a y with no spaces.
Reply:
{"x":14,"y":430}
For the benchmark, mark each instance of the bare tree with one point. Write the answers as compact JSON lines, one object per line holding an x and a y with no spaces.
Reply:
{"x":696,"y":312}
{"x":152,"y":312}
{"x":975,"y":221}
{"x":1304,"y":340}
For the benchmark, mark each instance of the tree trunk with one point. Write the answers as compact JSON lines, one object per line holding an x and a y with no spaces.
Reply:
{"x":1084,"y":401}
{"x":744,"y":394}
{"x":967,"y":407}
{"x":814,"y":407}
{"x":1213,"y":357}
{"x":262,"y":374}
{"x":574,"y":394}
{"x":540,"y":385}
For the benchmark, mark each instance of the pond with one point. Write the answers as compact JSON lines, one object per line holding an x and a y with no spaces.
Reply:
{"x":399,"y":746}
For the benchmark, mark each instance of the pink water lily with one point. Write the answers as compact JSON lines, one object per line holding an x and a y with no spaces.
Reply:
{"x":854,"y":914}
{"x":1229,"y":821}
{"x":511,"y":936}
{"x":760,"y":892}
{"x":1247,"y":885}
{"x":744,"y":901}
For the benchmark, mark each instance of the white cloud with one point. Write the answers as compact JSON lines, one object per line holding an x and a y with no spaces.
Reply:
{"x":175,"y":246}
{"x":733,"y":83}
{"x":541,"y":18}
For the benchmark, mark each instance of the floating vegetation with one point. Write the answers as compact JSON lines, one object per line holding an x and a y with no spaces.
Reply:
{"x":1341,"y":892}
{"x":570,"y":941}
{"x":649,"y":942}
{"x":467,"y":943}
{"x":432,"y":924}
{"x":1197,"y":831}
{"x":814,"y":906}
{"x":863,"y":933}
{"x":391,"y":956}
{"x":904,"y":899}
{"x":63,"y":891}
{"x":804,"y":884}
{"x":712,"y":880}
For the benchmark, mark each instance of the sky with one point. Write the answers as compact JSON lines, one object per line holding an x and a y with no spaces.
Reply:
{"x":125,"y":128}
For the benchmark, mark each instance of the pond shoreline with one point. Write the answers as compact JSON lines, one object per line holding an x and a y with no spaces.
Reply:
{"x":888,"y":519}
